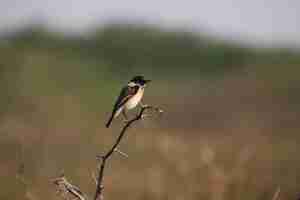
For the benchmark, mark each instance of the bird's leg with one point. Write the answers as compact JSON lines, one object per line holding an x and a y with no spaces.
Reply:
{"x":125,"y":116}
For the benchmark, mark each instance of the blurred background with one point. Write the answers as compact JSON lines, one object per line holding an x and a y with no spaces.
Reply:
{"x":226,"y":73}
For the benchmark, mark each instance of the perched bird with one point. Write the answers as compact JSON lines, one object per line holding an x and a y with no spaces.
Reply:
{"x":129,"y":97}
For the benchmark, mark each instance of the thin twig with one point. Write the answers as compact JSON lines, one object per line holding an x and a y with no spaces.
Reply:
{"x":94,"y":178}
{"x":121,"y":153}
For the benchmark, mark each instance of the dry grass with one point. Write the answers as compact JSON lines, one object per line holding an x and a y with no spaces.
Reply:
{"x":238,"y":145}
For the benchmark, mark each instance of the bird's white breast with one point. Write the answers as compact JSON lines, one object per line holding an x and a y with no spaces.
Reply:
{"x":134,"y":101}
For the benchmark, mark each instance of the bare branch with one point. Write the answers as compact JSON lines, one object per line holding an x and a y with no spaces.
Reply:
{"x":65,"y":188}
{"x":99,"y":189}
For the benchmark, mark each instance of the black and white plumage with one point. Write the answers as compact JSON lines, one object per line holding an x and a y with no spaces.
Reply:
{"x":129,"y":97}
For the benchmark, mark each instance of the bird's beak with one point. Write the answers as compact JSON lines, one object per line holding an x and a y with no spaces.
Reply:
{"x":147,"y":81}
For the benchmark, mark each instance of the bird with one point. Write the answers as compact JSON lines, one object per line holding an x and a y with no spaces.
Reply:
{"x":130,"y":96}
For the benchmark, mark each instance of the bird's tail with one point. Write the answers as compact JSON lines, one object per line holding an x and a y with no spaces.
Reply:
{"x":110,"y":120}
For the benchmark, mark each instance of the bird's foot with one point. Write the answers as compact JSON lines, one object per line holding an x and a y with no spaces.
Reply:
{"x":145,"y":106}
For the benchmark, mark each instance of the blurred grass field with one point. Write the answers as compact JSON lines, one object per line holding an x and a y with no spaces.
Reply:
{"x":230,"y":128}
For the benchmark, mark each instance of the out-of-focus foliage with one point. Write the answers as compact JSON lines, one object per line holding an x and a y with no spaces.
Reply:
{"x":130,"y":48}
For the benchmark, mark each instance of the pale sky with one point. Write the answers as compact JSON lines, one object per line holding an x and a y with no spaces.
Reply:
{"x":266,"y":21}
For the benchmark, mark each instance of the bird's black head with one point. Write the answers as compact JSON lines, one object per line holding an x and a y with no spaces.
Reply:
{"x":139,"y":80}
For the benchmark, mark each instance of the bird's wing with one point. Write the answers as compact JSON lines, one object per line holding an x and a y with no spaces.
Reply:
{"x":126,"y":93}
